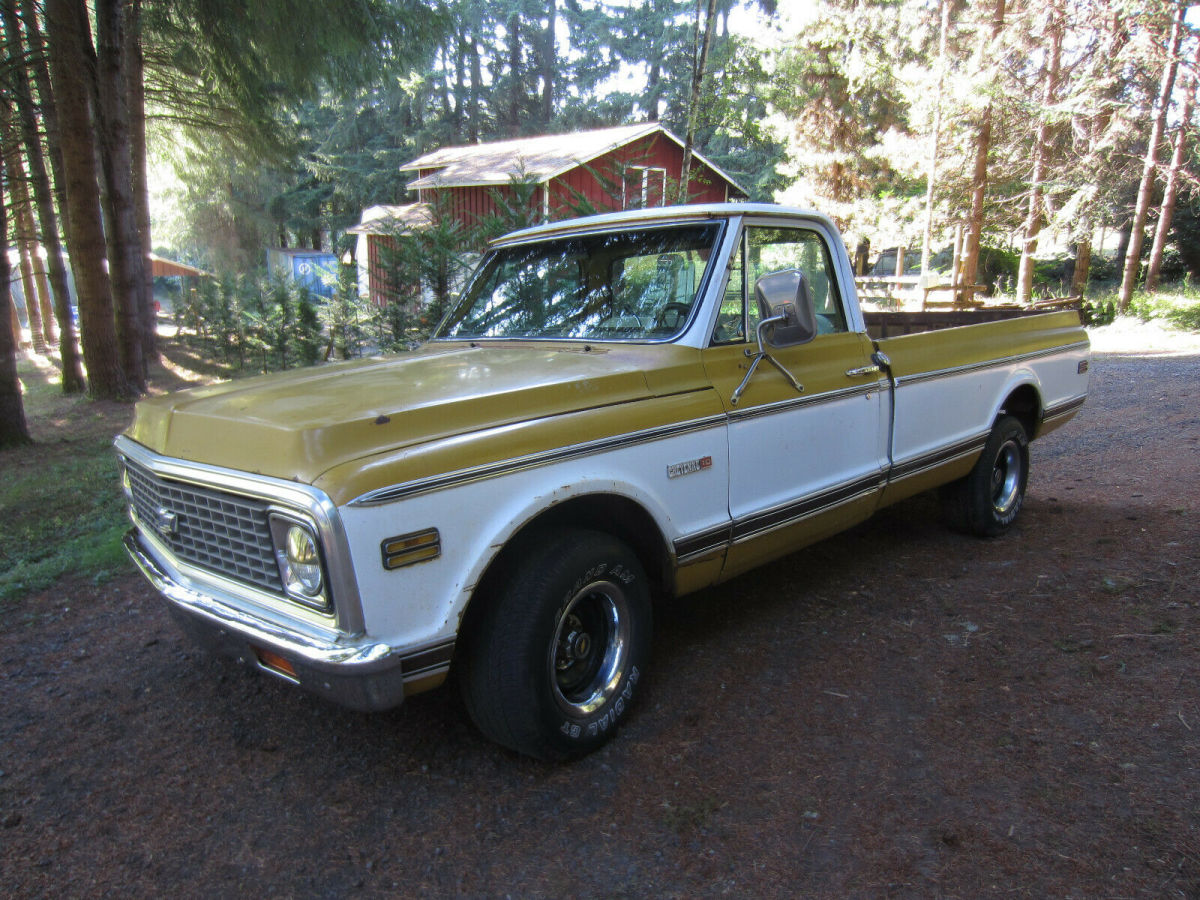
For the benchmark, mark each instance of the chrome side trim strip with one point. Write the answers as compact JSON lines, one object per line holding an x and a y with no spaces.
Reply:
{"x":694,"y":547}
{"x":1065,"y":408}
{"x":505,"y":467}
{"x":402,"y":491}
{"x":397,"y":492}
{"x":690,"y":548}
{"x":787,"y":514}
{"x":990,"y":364}
{"x":935,"y":458}
{"x":817,"y":399}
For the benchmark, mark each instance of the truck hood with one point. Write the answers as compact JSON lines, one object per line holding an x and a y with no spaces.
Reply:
{"x":297,"y":425}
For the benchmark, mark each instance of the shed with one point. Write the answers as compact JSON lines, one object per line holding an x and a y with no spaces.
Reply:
{"x":313,"y":269}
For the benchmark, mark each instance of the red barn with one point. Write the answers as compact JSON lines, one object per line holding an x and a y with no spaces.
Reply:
{"x":633,"y":166}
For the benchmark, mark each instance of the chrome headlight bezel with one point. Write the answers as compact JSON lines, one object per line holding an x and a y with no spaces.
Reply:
{"x":306,"y":583}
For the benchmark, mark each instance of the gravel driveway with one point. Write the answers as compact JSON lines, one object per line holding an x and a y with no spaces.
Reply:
{"x":899,"y":711}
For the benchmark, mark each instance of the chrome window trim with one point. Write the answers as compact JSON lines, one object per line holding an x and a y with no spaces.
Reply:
{"x":702,"y":289}
{"x":291,"y":497}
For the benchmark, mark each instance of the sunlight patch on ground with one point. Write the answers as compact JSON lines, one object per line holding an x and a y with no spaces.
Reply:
{"x":1133,"y":336}
{"x":183,"y":374}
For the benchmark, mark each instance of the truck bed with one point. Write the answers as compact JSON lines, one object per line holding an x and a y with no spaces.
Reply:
{"x":894,"y":324}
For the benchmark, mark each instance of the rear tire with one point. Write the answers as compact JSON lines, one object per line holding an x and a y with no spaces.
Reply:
{"x":551,"y":661}
{"x":986,"y":502}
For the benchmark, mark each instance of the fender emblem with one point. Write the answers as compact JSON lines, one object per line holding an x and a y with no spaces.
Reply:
{"x":687,"y":468}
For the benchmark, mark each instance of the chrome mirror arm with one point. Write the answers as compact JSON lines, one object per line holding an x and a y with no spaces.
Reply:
{"x":759,"y":357}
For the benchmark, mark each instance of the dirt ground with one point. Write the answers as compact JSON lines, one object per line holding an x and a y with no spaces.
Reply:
{"x":897,"y":712}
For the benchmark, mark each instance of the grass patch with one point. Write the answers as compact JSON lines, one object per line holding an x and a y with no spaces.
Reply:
{"x":60,"y":499}
{"x":63,"y":514}
{"x":1177,"y":306}
{"x":61,"y":503}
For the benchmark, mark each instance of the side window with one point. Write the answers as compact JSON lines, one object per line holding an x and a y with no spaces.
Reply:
{"x":770,"y":250}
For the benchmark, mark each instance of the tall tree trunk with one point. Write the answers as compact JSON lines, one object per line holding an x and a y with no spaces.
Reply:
{"x":1167,"y":211}
{"x":700,"y":47}
{"x":65,"y":38}
{"x":124,"y":245}
{"x":13,"y":428}
{"x":72,"y":370}
{"x":935,"y":138}
{"x":549,"y":62}
{"x":45,"y":301}
{"x":473,"y":116}
{"x":516,"y":92}
{"x":460,"y":83}
{"x":1137,"y":235}
{"x":979,"y":176}
{"x":41,"y":79}
{"x":34,"y":314}
{"x":135,"y":75}
{"x":1096,"y":123}
{"x":1034,"y":217}
{"x":1083,"y":264}
{"x":23,"y":235}
{"x":650,"y":96}
{"x":28,"y":237}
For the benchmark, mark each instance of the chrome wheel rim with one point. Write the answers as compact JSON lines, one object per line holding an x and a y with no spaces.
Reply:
{"x":1006,"y":478}
{"x":589,"y":652}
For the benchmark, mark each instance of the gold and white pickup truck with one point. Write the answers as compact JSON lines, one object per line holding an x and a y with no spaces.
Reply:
{"x":619,"y":407}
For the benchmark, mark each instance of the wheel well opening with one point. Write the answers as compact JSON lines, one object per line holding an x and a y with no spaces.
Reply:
{"x":619,"y":516}
{"x":1026,"y":406}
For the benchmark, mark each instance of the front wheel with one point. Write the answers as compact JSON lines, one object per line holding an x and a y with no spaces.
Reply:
{"x":551,"y":662}
{"x":986,"y":502}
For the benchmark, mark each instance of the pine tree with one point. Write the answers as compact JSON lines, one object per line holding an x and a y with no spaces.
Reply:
{"x":13,"y":428}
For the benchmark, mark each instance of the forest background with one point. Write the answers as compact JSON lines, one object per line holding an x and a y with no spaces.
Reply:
{"x":1055,"y":138}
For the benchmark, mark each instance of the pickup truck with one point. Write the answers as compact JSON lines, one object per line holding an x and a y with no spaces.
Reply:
{"x":617,"y":408}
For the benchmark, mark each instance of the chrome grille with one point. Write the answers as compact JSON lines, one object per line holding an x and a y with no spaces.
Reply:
{"x":215,"y":530}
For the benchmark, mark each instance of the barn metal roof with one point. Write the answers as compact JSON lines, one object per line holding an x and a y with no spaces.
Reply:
{"x":541,"y":158}
{"x":169,"y":267}
{"x":385,"y":219}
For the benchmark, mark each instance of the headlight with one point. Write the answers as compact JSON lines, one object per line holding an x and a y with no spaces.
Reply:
{"x":303,"y":562}
{"x":299,"y":558}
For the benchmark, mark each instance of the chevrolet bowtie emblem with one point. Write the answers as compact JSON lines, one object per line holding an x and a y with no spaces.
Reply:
{"x":166,"y":522}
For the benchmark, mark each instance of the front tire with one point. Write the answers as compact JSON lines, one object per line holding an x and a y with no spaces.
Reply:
{"x":986,"y":502}
{"x":552,"y":660}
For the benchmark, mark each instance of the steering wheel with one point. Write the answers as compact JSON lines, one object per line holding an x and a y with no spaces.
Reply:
{"x":680,"y":310}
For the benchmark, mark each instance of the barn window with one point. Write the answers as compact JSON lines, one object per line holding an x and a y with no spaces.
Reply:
{"x":645,"y":186}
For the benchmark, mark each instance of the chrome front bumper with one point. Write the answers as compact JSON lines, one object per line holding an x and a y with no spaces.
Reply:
{"x":351,"y":671}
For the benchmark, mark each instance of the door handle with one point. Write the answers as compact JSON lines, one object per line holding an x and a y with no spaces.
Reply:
{"x":863,"y":370}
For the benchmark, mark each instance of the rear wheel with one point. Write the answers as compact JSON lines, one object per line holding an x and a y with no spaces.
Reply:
{"x":551,"y":661}
{"x":986,"y":502}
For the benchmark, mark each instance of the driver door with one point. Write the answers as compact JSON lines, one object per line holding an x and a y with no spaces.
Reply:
{"x":802,"y":464}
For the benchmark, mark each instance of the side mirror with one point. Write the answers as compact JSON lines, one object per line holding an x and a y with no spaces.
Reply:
{"x":788,"y":297}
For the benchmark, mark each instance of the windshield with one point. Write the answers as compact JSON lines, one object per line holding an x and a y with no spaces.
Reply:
{"x":635,"y":284}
